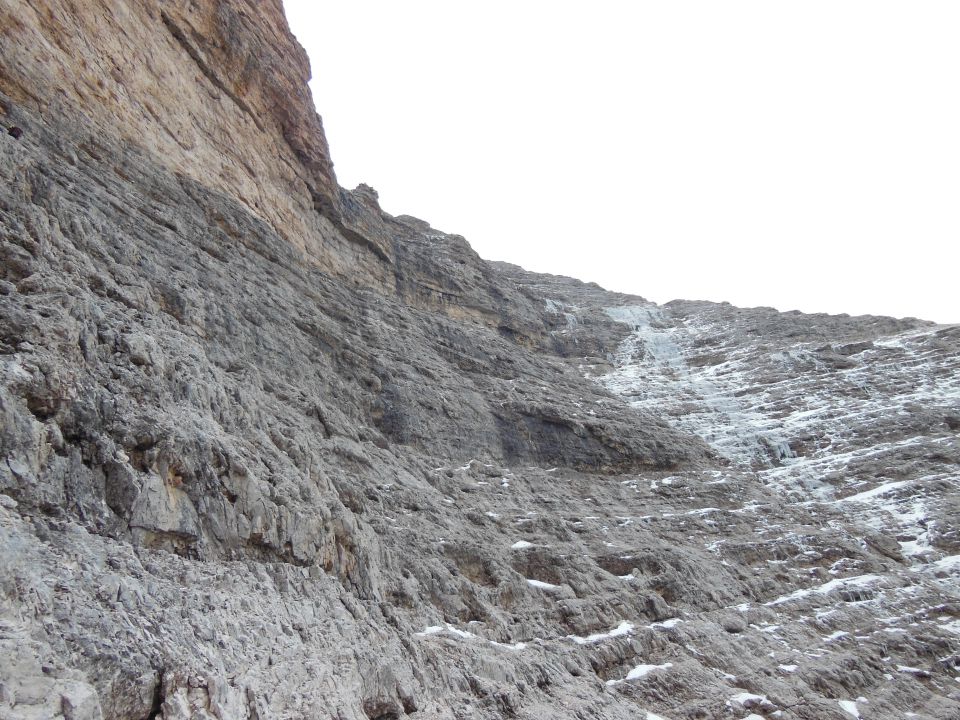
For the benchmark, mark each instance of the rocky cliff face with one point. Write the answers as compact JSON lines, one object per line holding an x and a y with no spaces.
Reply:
{"x":270,"y":452}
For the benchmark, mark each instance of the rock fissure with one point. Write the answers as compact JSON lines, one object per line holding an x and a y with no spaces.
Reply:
{"x":181,"y":37}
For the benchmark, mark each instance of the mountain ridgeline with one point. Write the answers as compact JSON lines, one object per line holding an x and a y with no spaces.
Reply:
{"x":267,"y":451}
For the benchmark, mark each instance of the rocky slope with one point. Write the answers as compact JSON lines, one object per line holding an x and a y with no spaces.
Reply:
{"x":270,"y":452}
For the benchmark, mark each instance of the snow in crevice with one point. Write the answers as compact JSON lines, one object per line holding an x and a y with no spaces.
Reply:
{"x":641,"y":671}
{"x":624,"y":628}
{"x":860,"y":581}
{"x":456,"y":633}
{"x":541,"y":585}
{"x":652,"y":372}
{"x":569,"y":313}
{"x":849,"y":707}
{"x":832,"y":434}
{"x":751,"y":700}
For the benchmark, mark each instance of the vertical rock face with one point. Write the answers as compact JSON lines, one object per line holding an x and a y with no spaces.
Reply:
{"x":216,"y":92}
{"x":266,"y":451}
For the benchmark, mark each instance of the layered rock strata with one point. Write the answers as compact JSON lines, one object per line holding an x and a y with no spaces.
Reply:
{"x":268,"y":451}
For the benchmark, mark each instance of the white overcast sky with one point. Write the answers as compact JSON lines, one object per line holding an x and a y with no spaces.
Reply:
{"x":803,"y":155}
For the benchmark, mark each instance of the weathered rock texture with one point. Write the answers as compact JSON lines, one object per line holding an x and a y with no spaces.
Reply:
{"x":270,"y":452}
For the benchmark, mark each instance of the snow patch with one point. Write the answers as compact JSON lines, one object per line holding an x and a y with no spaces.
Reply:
{"x":640,"y":671}
{"x":542,"y":585}
{"x":624,"y":628}
{"x":849,"y":706}
{"x":666,"y":624}
{"x":950,"y":562}
{"x":746,"y":698}
{"x":882,"y":489}
{"x":437,"y":629}
{"x":751,"y":701}
{"x":826,"y":588}
{"x":911,"y":670}
{"x":514,"y":646}
{"x":431,"y":630}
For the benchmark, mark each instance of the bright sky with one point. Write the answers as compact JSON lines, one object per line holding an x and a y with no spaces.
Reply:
{"x":804,"y":155}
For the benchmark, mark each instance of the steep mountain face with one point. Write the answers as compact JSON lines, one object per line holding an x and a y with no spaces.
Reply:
{"x":270,"y":452}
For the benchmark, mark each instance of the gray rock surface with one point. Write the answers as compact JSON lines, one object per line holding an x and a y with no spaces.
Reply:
{"x":268,"y":452}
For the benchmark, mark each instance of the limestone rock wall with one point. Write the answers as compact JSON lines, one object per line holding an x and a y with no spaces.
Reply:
{"x":216,"y":92}
{"x":268,"y":452}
